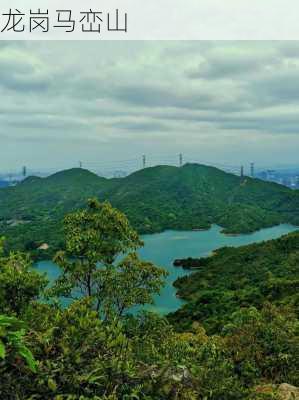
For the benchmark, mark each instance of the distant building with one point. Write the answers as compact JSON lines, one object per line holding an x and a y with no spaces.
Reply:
{"x":43,"y":246}
{"x":289,"y":178}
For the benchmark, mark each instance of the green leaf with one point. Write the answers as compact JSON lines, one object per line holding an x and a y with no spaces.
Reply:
{"x":52,"y":384}
{"x":28,"y":357}
{"x":2,"y":350}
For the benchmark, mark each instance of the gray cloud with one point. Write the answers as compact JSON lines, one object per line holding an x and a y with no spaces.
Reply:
{"x":136,"y":97}
{"x":20,"y":75}
{"x":142,"y":126}
{"x":277,"y":88}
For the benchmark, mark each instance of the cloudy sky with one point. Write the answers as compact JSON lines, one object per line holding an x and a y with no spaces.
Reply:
{"x":108,"y":102}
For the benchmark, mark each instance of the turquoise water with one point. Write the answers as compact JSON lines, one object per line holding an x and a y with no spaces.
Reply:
{"x":163,"y":248}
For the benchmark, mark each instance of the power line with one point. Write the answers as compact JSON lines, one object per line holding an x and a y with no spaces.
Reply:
{"x":126,"y":166}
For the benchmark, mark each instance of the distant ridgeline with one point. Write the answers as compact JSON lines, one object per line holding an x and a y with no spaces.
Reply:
{"x":3,"y":183}
{"x":235,"y":278}
{"x":154,"y":199}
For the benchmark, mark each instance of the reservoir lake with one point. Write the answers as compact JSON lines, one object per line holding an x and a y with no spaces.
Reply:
{"x":163,"y":248}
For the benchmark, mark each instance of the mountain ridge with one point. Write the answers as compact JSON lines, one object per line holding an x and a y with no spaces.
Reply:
{"x":155,"y":199}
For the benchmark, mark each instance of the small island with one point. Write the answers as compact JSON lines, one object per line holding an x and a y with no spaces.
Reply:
{"x":190,"y":263}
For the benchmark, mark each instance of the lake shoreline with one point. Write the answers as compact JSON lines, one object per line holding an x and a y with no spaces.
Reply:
{"x":163,"y":248}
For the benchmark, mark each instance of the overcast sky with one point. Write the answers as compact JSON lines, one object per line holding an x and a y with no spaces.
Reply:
{"x":226,"y":102}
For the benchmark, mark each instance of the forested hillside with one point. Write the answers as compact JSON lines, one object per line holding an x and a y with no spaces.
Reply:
{"x":154,"y":199}
{"x":236,"y":278}
{"x":96,"y":349}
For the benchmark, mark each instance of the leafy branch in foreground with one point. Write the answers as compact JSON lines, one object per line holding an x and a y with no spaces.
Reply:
{"x":12,"y":345}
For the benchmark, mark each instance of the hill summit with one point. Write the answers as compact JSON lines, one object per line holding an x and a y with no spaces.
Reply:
{"x":163,"y":197}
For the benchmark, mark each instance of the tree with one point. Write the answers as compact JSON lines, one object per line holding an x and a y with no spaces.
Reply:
{"x":96,"y":237}
{"x":19,"y":283}
{"x":129,"y":283}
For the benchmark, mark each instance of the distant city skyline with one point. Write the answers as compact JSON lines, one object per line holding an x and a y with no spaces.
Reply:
{"x":226,"y":102}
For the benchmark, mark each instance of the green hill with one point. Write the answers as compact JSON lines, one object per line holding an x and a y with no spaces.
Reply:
{"x":235,"y":278}
{"x":163,"y":197}
{"x":36,"y":197}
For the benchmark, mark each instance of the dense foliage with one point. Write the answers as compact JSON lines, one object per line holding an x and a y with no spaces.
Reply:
{"x":240,"y":277}
{"x":95,"y":349}
{"x":154,"y":199}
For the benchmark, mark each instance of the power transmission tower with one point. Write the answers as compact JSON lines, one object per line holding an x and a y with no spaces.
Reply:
{"x":252,"y":170}
{"x":24,"y":172}
{"x":80,"y":164}
{"x":242,"y":171}
{"x":143,"y":161}
{"x":181,"y":159}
